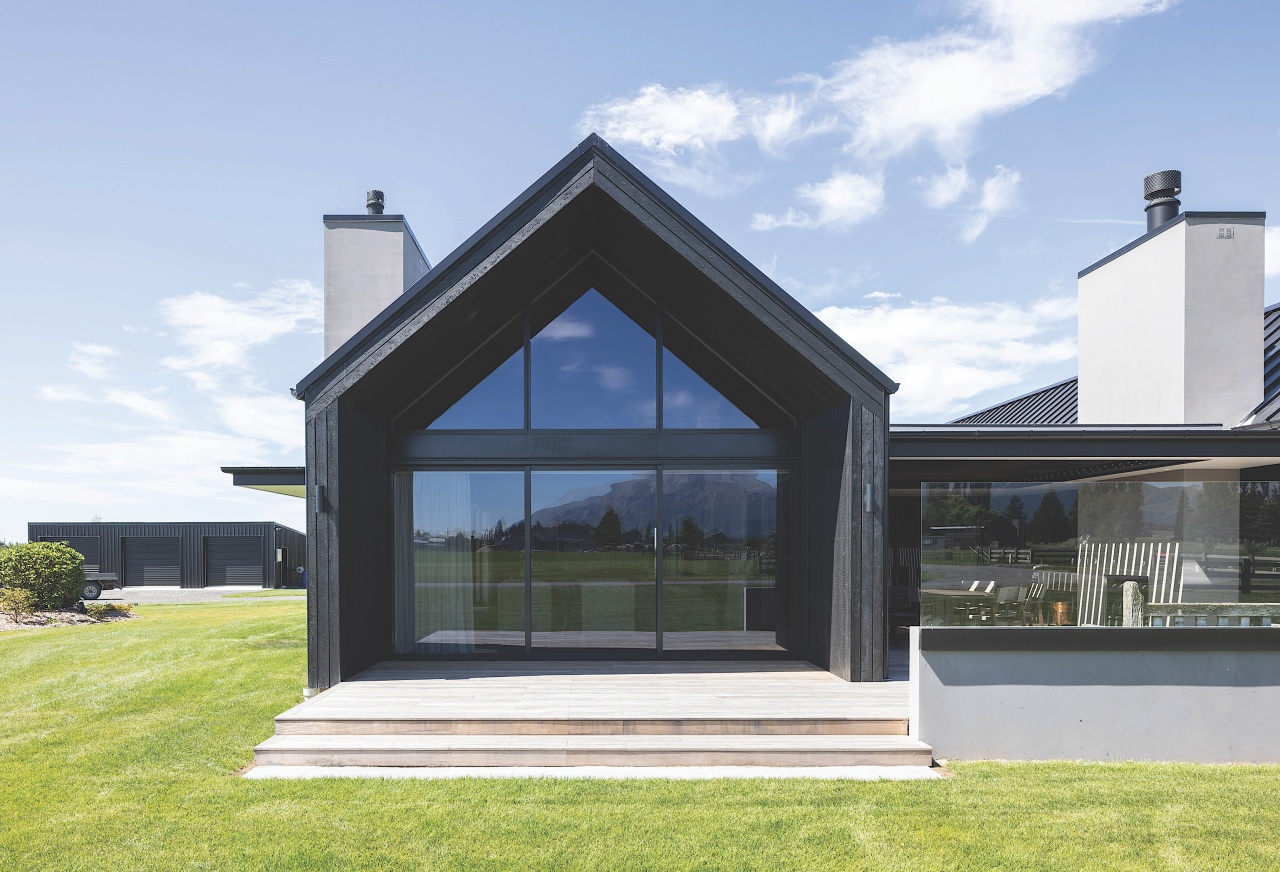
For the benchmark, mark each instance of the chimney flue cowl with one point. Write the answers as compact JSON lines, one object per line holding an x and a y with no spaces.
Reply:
{"x":373,"y":202}
{"x":1161,"y":192}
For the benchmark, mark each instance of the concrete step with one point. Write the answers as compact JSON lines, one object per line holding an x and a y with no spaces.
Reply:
{"x":592,"y":750}
{"x":303,"y":725}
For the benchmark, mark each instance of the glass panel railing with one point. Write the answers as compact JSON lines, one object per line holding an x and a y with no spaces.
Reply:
{"x":1131,"y":553}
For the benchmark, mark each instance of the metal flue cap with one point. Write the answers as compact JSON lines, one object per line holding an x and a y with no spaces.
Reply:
{"x":373,"y":202}
{"x":1164,"y":185}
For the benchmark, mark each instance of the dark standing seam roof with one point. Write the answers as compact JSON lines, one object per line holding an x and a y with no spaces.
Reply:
{"x":1271,"y":352}
{"x":1055,"y":404}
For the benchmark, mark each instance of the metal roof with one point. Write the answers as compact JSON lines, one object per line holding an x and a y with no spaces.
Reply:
{"x":1055,"y":404}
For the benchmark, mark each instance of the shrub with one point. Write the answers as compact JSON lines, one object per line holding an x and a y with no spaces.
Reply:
{"x":102,"y":611}
{"x":17,"y":603}
{"x":51,"y":571}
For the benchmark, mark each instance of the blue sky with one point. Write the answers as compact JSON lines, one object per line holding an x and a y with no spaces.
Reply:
{"x":928,"y":177}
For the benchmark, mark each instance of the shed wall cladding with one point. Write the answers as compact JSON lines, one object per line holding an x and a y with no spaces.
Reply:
{"x":153,"y":561}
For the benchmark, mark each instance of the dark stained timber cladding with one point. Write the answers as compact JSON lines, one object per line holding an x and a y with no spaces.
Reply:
{"x":365,"y":581}
{"x":313,"y":559}
{"x":869,"y":587}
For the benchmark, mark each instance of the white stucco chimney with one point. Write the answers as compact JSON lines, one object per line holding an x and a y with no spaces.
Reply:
{"x":1170,"y":326}
{"x":369,"y":261}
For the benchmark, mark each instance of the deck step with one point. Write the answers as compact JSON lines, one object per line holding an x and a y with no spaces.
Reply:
{"x":592,"y":750}
{"x":301,"y":725}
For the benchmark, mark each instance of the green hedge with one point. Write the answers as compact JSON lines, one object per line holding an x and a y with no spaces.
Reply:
{"x":52,"y":571}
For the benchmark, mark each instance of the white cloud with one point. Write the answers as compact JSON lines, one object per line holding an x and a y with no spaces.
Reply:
{"x":945,"y":353}
{"x":613,"y":378}
{"x":218,"y":332}
{"x":884,"y":101}
{"x":942,"y":191}
{"x":1271,"y":252}
{"x":842,"y":201}
{"x":566,"y":328}
{"x":880,"y":295}
{"x":680,"y":130}
{"x":90,"y":359}
{"x":140,"y":404}
{"x":999,"y":197}
{"x":272,"y":418}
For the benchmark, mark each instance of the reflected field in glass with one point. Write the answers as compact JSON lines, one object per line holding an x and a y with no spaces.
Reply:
{"x":594,"y":570}
{"x":719,"y":560}
{"x":464,"y":545}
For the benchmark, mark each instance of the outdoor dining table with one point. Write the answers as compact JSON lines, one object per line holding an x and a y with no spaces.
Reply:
{"x":937,"y":603}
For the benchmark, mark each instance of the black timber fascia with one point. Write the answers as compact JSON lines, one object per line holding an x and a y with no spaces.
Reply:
{"x":507,"y":223}
{"x":1115,"y":443}
{"x":1172,"y":222}
{"x":250,"y":476}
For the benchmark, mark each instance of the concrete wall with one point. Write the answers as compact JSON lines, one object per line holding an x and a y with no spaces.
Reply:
{"x":1131,"y":335}
{"x":1224,"y":301}
{"x":1170,"y":331}
{"x":1115,"y":697}
{"x":369,"y":261}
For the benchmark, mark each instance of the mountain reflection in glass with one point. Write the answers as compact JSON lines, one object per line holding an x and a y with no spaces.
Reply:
{"x":594,"y":569}
{"x":463,"y":543}
{"x":593,"y":368}
{"x":719,"y":565}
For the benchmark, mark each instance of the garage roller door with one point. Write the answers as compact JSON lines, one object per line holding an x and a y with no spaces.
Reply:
{"x":152,"y":560}
{"x":233,"y":560}
{"x":89,"y":546}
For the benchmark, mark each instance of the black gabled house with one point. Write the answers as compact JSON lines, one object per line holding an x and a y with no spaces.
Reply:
{"x":595,"y":430}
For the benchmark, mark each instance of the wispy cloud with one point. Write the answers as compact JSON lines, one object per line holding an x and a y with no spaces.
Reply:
{"x":882,"y":102}
{"x":219,"y":332}
{"x":942,"y":190}
{"x":880,"y":295}
{"x":999,"y":197}
{"x":91,"y":359}
{"x":566,"y":328}
{"x":945,"y":353}
{"x":842,"y":201}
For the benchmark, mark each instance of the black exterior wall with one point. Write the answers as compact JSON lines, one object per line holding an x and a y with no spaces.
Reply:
{"x":594,"y":220}
{"x":191,"y":538}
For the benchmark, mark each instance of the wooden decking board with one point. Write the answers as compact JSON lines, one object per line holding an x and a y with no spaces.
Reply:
{"x":613,"y":713}
{"x":623,"y":690}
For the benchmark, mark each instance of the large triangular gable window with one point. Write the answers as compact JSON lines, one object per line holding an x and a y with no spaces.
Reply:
{"x":594,"y":366}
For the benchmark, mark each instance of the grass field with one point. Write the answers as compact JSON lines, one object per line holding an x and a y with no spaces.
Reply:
{"x":120,"y":744}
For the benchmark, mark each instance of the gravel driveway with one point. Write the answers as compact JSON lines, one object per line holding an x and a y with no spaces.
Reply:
{"x":148,"y":595}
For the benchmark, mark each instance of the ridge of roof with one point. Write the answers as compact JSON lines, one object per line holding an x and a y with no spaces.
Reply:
{"x":592,"y":148}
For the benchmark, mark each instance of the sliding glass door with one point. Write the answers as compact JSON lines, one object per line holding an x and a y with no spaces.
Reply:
{"x":516,"y":562}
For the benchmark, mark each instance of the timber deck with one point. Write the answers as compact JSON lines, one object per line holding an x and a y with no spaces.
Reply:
{"x":780,"y":713}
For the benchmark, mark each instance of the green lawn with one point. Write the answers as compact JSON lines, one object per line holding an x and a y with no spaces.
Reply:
{"x":119,"y":745}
